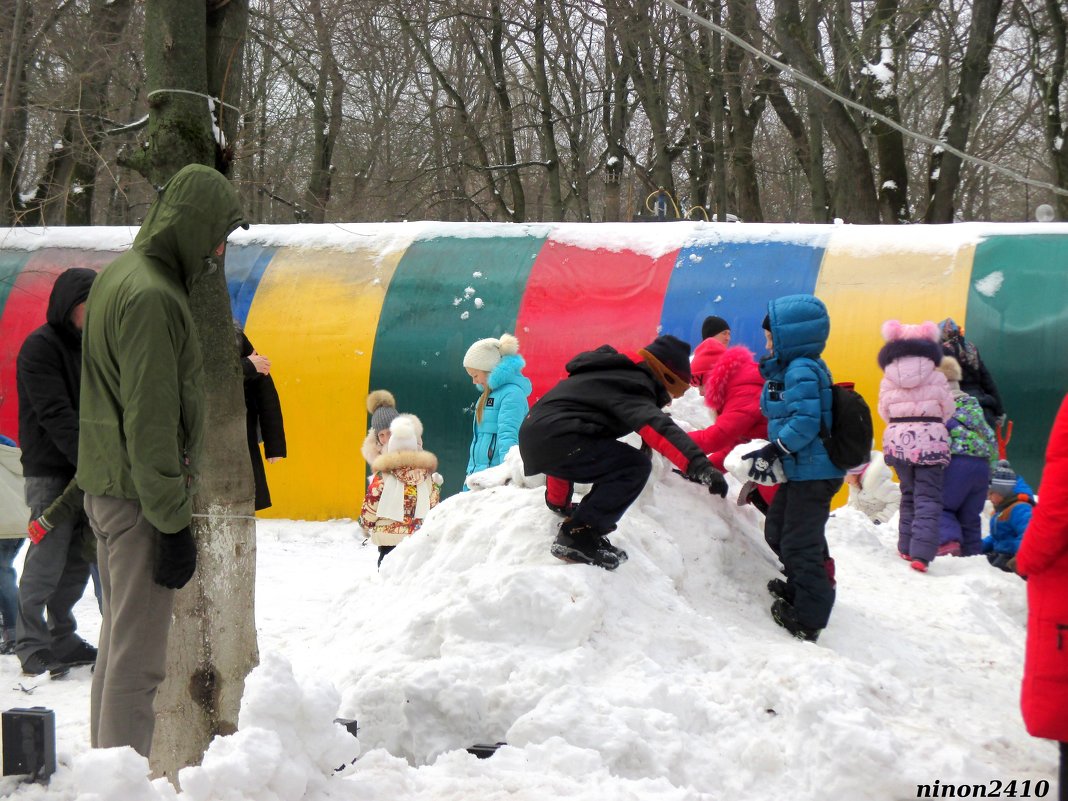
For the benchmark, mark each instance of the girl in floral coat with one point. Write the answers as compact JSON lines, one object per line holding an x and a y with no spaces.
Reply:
{"x":404,"y":488}
{"x":915,"y":402}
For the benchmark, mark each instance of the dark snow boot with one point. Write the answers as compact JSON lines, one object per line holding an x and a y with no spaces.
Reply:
{"x":582,"y":544}
{"x":780,"y":589}
{"x":786,"y":616}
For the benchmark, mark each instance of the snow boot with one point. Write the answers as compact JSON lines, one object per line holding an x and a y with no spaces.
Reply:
{"x":582,"y":544}
{"x":919,"y":565}
{"x":951,"y":548}
{"x":780,"y":589}
{"x":786,"y":616}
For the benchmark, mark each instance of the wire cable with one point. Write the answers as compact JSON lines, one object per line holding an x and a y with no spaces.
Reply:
{"x":814,"y":84}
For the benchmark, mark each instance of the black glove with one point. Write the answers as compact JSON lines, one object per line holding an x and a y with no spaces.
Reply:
{"x":176,"y":559}
{"x":763,"y":459}
{"x":704,"y":473}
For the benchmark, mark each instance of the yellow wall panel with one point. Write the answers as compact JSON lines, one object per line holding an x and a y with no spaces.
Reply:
{"x":314,"y":315}
{"x":863,"y":286}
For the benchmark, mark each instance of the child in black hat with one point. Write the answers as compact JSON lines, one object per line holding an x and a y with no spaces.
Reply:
{"x":572,"y":435}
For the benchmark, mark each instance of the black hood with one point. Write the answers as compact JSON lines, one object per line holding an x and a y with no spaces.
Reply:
{"x":71,"y":288}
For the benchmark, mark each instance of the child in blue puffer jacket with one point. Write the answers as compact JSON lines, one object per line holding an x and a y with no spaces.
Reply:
{"x":496,"y":369}
{"x":797,"y":402}
{"x":1013,"y":500}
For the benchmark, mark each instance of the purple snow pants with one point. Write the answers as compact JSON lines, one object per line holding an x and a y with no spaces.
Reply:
{"x":921,"y":509}
{"x":964,"y":488}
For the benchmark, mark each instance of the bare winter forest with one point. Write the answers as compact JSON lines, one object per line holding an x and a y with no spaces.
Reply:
{"x":530,"y":110}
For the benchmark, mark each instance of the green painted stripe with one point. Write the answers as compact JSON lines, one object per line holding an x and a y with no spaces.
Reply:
{"x":11,"y":264}
{"x":423,"y":334}
{"x":1018,"y":317}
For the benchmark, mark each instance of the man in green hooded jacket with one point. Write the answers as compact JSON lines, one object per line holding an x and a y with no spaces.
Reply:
{"x":142,"y":424}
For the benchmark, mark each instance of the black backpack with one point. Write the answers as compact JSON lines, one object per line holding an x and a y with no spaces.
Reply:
{"x":848,"y":443}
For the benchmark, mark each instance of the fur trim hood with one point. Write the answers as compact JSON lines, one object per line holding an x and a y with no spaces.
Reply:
{"x":371,"y":448}
{"x":900,"y":348}
{"x":509,"y":370}
{"x":423,"y":460}
{"x":718,"y":380}
{"x":923,"y":340}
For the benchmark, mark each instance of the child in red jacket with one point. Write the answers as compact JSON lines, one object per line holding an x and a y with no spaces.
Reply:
{"x":730,"y":382}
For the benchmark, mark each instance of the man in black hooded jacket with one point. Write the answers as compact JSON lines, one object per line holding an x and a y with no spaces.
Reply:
{"x":48,"y":376}
{"x":572,"y":435}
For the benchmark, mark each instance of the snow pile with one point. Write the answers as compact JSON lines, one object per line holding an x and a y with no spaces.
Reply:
{"x":666,"y":679}
{"x":286,"y":747}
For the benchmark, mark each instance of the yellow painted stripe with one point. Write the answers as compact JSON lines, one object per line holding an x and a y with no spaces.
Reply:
{"x":925,"y":279}
{"x":314,"y":315}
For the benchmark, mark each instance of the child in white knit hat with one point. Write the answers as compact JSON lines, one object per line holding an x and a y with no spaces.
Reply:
{"x":496,"y":369}
{"x":404,"y":487}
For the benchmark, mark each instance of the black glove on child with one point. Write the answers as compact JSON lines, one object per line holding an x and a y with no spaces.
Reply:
{"x":705,"y":473}
{"x":176,"y":559}
{"x":763,"y":459}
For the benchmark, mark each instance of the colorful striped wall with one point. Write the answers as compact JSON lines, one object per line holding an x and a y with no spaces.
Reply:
{"x":341,"y":310}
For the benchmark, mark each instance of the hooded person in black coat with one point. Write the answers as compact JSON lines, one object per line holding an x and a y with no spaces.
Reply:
{"x":975,"y":379}
{"x":572,"y":435}
{"x":263,"y":416}
{"x":48,"y":377}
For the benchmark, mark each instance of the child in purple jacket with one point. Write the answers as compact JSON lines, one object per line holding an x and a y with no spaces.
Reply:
{"x":915,"y":402}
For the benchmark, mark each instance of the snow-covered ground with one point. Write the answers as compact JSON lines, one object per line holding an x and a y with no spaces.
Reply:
{"x":664,"y":680}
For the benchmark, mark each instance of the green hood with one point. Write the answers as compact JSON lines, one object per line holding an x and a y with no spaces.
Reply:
{"x":195,"y":211}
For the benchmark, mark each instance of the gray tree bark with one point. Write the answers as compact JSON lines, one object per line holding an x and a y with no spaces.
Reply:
{"x":212,"y":643}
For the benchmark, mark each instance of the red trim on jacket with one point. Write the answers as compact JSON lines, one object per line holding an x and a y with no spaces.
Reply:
{"x":662,"y":445}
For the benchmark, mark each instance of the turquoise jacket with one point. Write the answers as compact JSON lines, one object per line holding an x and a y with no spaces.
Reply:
{"x":797,"y":396}
{"x":505,"y":409}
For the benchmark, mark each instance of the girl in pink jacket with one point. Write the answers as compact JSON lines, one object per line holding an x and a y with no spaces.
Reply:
{"x":915,"y":401}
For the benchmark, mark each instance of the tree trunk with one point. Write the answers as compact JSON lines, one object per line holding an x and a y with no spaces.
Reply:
{"x":944,"y":172}
{"x":212,"y":644}
{"x":855,"y":182}
{"x":745,"y":110}
{"x":547,"y":129}
{"x":13,"y":118}
{"x":614,"y":120}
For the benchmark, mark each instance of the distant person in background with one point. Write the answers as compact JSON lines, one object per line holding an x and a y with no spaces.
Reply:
{"x":1043,"y":559}
{"x":496,"y":369}
{"x":1012,"y":498}
{"x":967,"y":476}
{"x":975,"y":378}
{"x":715,"y":328}
{"x":12,"y":535}
{"x":915,"y":402}
{"x":263,"y":415}
{"x":872,"y":489}
{"x":404,"y":489}
{"x":55,"y":571}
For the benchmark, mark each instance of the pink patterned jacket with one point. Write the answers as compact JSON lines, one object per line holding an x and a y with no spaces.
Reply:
{"x":914,"y":397}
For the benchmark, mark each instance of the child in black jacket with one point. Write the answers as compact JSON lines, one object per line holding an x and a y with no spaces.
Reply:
{"x":572,"y":435}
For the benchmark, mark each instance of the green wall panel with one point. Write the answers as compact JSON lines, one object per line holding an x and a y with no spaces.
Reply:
{"x":446,"y":294}
{"x":1018,"y":317}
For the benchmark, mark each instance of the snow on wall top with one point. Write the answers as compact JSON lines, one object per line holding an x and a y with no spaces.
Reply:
{"x":649,"y":239}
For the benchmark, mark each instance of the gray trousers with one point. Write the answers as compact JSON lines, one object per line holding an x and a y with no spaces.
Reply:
{"x":132,"y":660}
{"x":54,"y":576}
